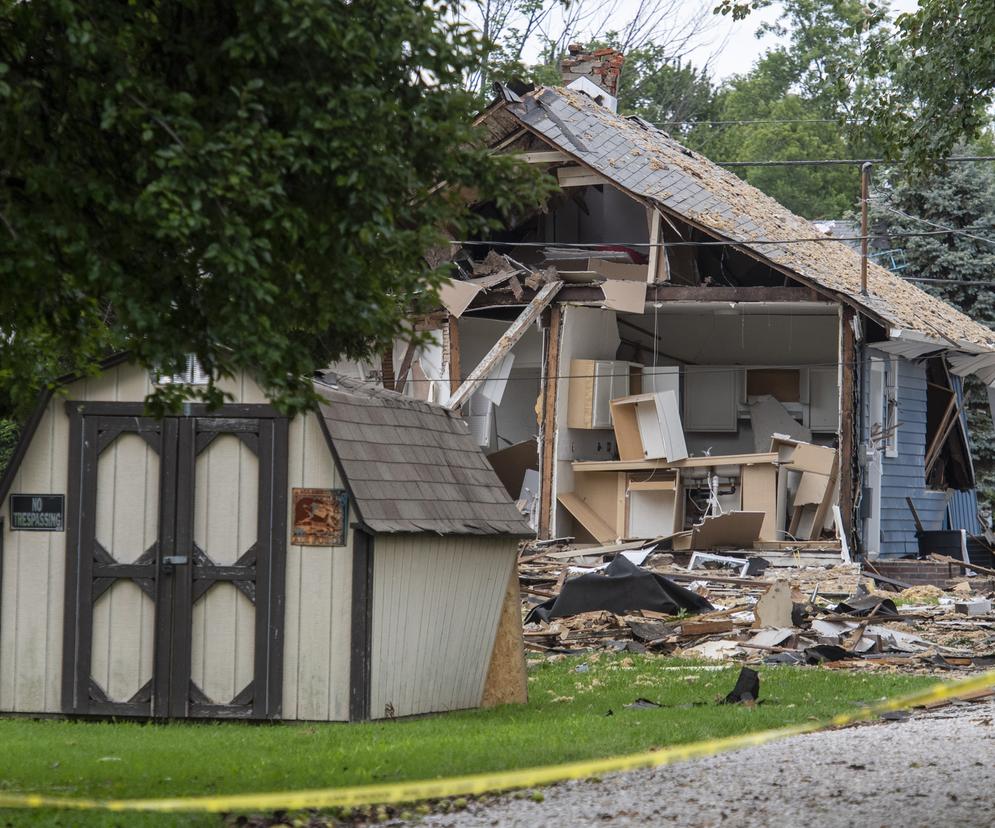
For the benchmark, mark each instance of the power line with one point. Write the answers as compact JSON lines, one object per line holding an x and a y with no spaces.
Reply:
{"x":599,"y":245}
{"x":950,"y":282}
{"x":959,"y":232}
{"x":751,"y":122}
{"x":830,"y":162}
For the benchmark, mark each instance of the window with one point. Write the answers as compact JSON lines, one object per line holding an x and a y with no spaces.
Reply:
{"x":193,"y":374}
{"x":889,"y":438}
{"x":884,"y":405}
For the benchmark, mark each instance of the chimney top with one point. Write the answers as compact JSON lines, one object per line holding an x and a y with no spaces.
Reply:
{"x":600,"y":66}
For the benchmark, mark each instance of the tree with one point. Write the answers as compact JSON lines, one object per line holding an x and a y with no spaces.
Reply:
{"x":939,"y":80}
{"x":669,"y":93}
{"x":528,"y":37}
{"x":792,"y":107}
{"x":960,"y":197}
{"x":253,"y":183}
{"x":929,"y":78}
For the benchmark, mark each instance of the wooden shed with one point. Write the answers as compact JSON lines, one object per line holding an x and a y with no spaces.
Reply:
{"x":346,"y":564}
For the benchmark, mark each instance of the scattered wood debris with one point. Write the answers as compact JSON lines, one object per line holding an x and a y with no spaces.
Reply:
{"x":810,"y":613}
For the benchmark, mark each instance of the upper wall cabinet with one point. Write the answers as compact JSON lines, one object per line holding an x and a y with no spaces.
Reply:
{"x":594,"y":383}
{"x":823,"y":399}
{"x":711,"y":394}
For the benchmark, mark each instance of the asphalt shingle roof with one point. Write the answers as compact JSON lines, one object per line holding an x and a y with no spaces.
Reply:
{"x":650,"y":164}
{"x":413,"y":466}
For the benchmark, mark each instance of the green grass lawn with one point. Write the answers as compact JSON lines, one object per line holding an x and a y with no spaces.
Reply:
{"x":566,"y":719}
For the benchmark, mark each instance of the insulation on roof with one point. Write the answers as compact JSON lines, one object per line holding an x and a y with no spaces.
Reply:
{"x":649,"y":164}
{"x":413,"y":466}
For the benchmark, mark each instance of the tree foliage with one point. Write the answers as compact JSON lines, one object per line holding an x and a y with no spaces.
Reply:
{"x":253,"y":183}
{"x":939,"y":80}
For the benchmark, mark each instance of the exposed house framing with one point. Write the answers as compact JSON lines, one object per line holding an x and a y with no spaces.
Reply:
{"x":656,"y":247}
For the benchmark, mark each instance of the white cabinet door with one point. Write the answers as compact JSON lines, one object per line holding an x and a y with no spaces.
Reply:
{"x":710,"y":396}
{"x":823,"y":399}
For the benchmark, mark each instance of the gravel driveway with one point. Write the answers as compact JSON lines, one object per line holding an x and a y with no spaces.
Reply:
{"x":934,"y":769}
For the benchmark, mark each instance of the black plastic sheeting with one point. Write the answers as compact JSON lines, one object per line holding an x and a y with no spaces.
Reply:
{"x":621,"y":587}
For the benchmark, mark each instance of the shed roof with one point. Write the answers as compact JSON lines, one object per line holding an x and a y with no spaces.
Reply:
{"x":412,"y":466}
{"x":648,"y":163}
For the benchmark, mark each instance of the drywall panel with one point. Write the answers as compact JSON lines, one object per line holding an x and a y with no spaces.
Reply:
{"x":587,"y":333}
{"x":436,"y":604}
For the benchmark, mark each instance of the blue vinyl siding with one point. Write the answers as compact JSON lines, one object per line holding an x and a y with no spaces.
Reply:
{"x":904,"y":476}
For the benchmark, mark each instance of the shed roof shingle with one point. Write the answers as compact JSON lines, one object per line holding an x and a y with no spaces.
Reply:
{"x":412,"y":466}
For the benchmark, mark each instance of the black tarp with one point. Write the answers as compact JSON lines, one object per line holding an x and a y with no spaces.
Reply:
{"x":621,"y":587}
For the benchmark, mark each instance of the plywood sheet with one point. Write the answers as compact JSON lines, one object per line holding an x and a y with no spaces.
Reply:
{"x":737,"y":529}
{"x":602,"y":531}
{"x":759,"y":487}
{"x":507,"y":680}
{"x":625,"y":296}
{"x":456,"y":296}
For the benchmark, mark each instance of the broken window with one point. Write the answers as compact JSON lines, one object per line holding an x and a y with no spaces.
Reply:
{"x":947,"y":453}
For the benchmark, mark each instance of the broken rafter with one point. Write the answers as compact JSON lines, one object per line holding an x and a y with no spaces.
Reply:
{"x":504,"y":344}
{"x":547,"y":157}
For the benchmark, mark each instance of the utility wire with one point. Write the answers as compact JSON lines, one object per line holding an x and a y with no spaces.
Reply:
{"x":831,"y":162}
{"x":600,"y":245}
{"x":959,"y":232}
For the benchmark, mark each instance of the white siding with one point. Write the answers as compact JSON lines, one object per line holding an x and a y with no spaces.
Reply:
{"x":436,"y":605}
{"x":319,"y":580}
{"x":34,"y":565}
{"x":319,"y":595}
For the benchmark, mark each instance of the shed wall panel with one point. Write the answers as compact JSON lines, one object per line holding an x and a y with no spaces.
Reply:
{"x":32,"y":600}
{"x":436,"y":604}
{"x":319,"y":595}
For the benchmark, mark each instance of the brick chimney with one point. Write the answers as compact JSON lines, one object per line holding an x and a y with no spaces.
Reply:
{"x":596,"y":73}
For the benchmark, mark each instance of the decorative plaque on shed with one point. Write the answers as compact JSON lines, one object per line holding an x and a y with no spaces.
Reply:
{"x":37,"y":513}
{"x":320,"y":517}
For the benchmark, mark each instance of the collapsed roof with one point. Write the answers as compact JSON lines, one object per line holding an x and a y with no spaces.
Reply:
{"x":652,"y":167}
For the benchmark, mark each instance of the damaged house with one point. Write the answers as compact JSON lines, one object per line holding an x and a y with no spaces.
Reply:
{"x":663,"y":350}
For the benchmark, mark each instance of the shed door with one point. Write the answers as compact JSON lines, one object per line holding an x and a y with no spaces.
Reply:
{"x":176,"y":557}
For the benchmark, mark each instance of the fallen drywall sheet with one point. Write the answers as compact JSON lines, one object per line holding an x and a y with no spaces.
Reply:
{"x":768,"y":417}
{"x":511,"y":464}
{"x":739,"y":529}
{"x":495,"y":384}
{"x":627,"y":296}
{"x":456,"y":296}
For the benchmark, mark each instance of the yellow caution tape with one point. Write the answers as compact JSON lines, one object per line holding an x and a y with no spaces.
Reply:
{"x":481,"y":783}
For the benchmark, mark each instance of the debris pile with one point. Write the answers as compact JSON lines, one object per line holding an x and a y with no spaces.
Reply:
{"x":638,"y":598}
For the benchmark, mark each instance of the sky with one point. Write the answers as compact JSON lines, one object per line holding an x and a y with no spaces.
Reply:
{"x":731,"y":47}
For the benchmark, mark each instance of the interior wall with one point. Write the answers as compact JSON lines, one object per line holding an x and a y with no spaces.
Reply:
{"x":514,"y":418}
{"x":609,"y":215}
{"x":587,"y":333}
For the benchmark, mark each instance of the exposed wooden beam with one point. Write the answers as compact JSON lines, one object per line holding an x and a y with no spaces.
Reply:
{"x":578,"y":177}
{"x":664,"y":293}
{"x":547,"y":425}
{"x":454,"y":355}
{"x":504,"y":344}
{"x":848,"y":469}
{"x":549,"y":157}
{"x":402,"y":373}
{"x":659,"y":263}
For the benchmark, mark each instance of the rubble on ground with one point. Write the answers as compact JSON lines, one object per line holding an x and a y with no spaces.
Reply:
{"x":836,"y":616}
